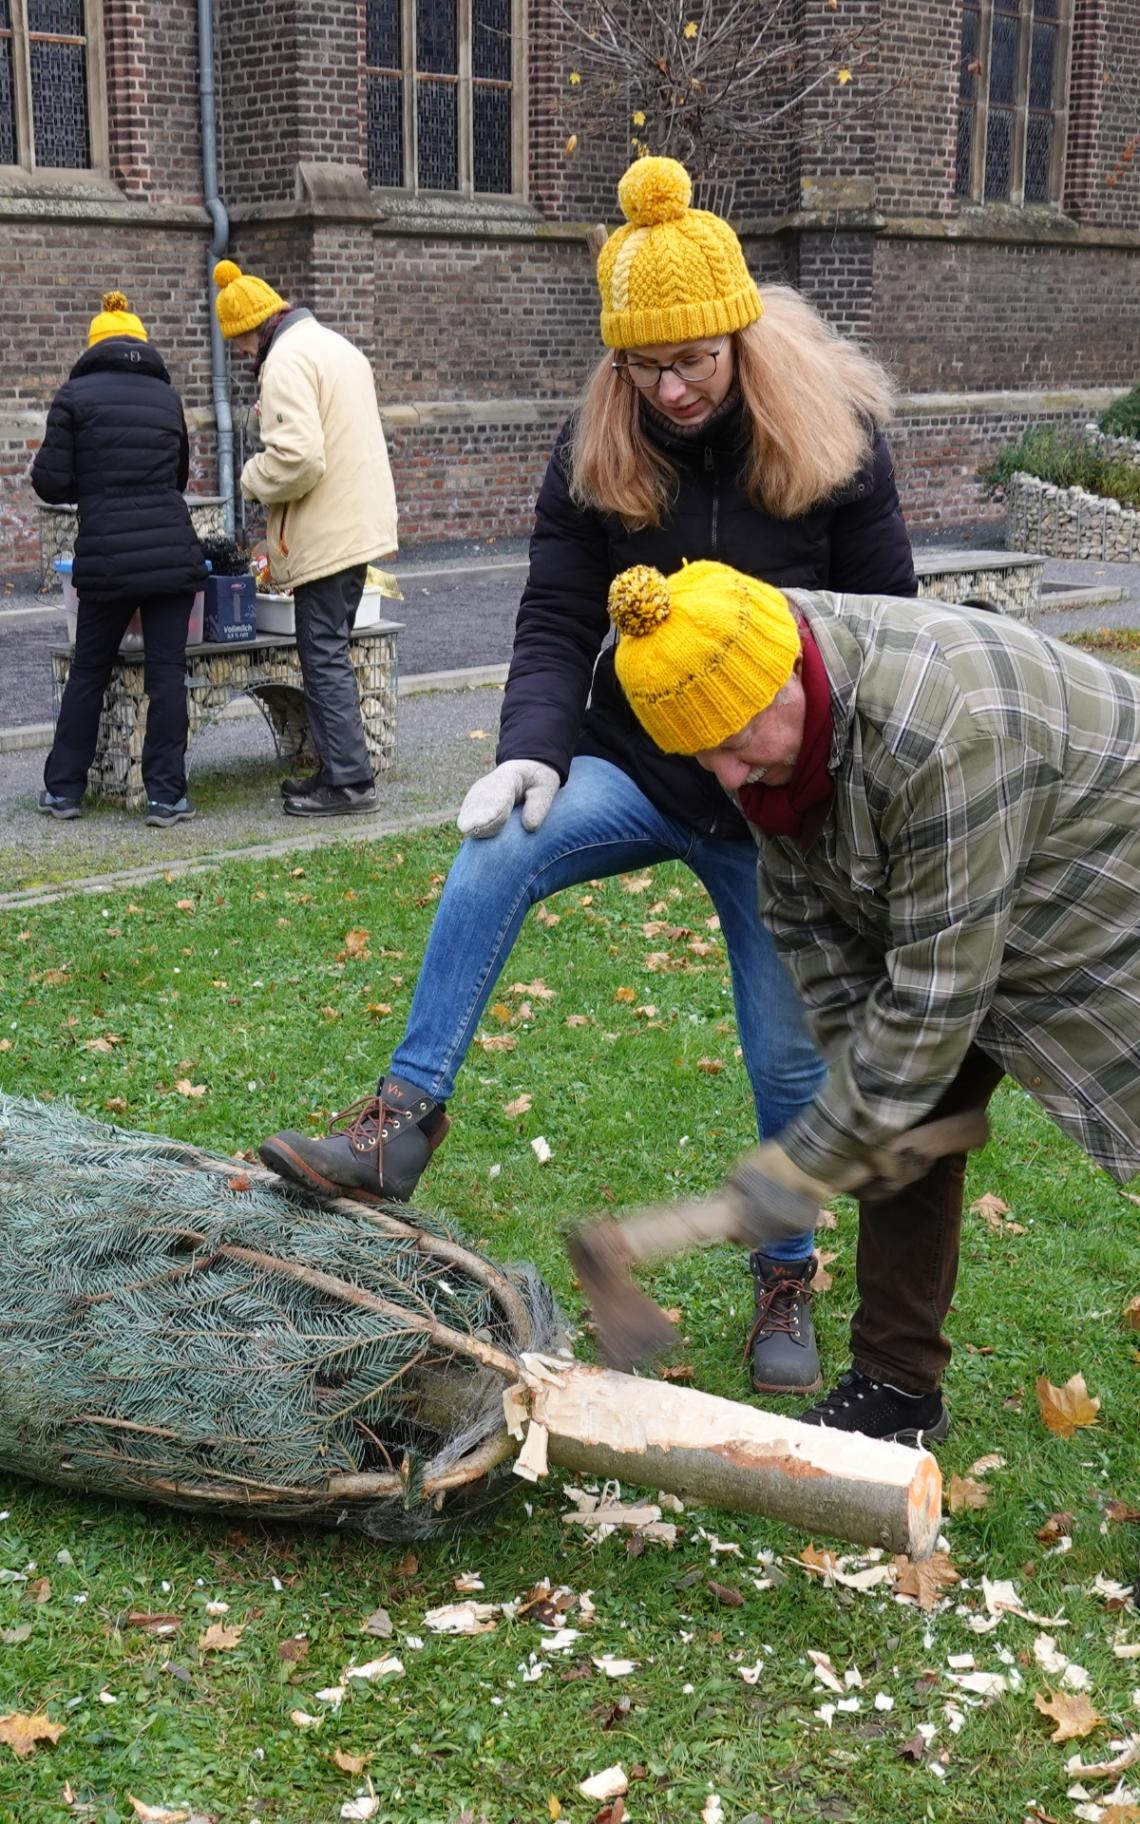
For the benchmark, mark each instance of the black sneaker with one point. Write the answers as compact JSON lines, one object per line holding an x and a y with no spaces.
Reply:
{"x":299,"y":785}
{"x":334,"y":801}
{"x":54,"y":806}
{"x":163,"y":815}
{"x":878,"y":1410}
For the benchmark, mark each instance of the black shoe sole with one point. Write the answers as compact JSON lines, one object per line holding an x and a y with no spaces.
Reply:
{"x":67,"y":815}
{"x":290,"y":1165}
{"x":294,"y":808}
{"x":924,"y":1435}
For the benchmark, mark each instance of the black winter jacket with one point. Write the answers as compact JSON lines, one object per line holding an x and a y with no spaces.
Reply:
{"x":856,"y":541}
{"x":116,"y":443}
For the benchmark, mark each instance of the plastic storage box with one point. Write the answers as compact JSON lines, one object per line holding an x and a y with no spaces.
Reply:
{"x":132,"y":640}
{"x":275,"y":613}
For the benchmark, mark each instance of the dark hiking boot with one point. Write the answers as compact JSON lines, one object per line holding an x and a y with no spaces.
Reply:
{"x":54,"y":806}
{"x":878,"y":1410}
{"x":377,"y":1149}
{"x":299,"y":785}
{"x":334,"y":801}
{"x":161,"y":816}
{"x":781,"y":1349}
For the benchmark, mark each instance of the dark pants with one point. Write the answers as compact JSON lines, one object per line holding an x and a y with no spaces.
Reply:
{"x":99,"y":628}
{"x":325,"y":611}
{"x":907,"y":1261}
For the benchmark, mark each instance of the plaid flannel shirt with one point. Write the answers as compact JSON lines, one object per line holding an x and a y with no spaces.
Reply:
{"x":977,"y":878}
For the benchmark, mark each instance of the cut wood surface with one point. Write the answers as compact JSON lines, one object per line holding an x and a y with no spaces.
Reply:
{"x":724,"y":1454}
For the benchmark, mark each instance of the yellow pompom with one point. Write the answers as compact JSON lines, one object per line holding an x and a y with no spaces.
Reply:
{"x":654,"y":190}
{"x":115,"y":300}
{"x":639,"y":600}
{"x":225,"y":272}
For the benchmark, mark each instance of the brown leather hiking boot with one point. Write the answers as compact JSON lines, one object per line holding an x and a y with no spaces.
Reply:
{"x":781,"y":1343}
{"x":376,"y":1150}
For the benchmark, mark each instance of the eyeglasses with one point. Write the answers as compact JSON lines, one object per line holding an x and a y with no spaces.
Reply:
{"x":700,"y":365}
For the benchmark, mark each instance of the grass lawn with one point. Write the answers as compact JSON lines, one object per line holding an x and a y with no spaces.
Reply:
{"x":244,"y":984}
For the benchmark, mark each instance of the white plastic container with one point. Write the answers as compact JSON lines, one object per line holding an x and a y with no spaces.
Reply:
{"x":132,"y":639}
{"x":275,"y":613}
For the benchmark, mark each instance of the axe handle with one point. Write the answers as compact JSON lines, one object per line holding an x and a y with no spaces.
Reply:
{"x":674,"y":1228}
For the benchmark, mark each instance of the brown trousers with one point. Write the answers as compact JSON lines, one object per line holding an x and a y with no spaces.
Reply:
{"x":907,"y":1261}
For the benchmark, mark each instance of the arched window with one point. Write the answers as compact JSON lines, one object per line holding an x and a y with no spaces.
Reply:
{"x":51,"y":116}
{"x":1013,"y":100}
{"x":443,"y":95}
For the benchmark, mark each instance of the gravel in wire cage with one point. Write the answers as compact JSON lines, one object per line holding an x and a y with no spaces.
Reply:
{"x":184,"y":1328}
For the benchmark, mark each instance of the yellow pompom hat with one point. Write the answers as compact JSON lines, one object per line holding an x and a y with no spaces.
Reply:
{"x":115,"y":319}
{"x":672,"y":274}
{"x":243,"y":301}
{"x":701,"y":652}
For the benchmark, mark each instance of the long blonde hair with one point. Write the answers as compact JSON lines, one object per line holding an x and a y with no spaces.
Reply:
{"x":812,"y":401}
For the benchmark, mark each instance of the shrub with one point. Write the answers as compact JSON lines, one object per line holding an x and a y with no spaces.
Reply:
{"x":1068,"y":461}
{"x":224,"y":556}
{"x":1122,"y":417}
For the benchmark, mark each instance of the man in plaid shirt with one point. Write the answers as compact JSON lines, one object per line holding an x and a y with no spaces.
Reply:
{"x":947,"y":812}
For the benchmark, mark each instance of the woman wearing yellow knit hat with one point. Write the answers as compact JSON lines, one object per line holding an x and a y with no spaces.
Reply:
{"x":721,"y":422}
{"x":116,"y":443}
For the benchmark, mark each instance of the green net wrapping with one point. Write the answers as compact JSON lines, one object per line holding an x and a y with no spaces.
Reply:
{"x":185,"y":1328}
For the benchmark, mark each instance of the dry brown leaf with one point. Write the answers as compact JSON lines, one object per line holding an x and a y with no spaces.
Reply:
{"x":22,"y":1733}
{"x":827,"y":1219}
{"x":991,"y":1208}
{"x":186,"y":1088}
{"x":637,"y":883}
{"x":966,"y":1493}
{"x":576,"y":1019}
{"x":152,"y":1623}
{"x":548,"y":918}
{"x":926,"y":1578}
{"x":1120,"y":1814}
{"x":1132,"y":1313}
{"x":725,"y":1594}
{"x":712,"y":1067}
{"x":54,"y":978}
{"x":500,"y":1041}
{"x":679,"y":1371}
{"x":1071,"y":1711}
{"x":239,"y":1182}
{"x":350,"y":1763}
{"x":184,"y":905}
{"x":1120,"y":1510}
{"x":156,"y":1814}
{"x":520,"y":1106}
{"x":822,"y":1280}
{"x":1054,"y":1528}
{"x":501,"y":1012}
{"x":408,"y":1566}
{"x":1066,"y":1409}
{"x":824,"y":1563}
{"x":626,"y":995}
{"x":217,"y":1639}
{"x":294,"y":1649}
{"x":993,"y":1460}
{"x":38,"y":1590}
{"x":537,"y":989}
{"x":106,"y":1042}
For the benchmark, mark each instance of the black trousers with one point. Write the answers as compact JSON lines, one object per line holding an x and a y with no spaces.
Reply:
{"x":99,"y":628}
{"x":324,"y":613}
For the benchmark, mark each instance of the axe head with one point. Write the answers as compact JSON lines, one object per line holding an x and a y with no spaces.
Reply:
{"x":630,"y":1328}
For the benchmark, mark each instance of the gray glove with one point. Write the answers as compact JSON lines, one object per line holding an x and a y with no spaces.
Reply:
{"x":492,"y":799}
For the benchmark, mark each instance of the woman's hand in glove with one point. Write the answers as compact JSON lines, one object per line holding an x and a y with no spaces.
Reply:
{"x":492,"y":799}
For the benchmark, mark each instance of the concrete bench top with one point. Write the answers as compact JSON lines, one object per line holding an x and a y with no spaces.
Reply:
{"x":937,"y":560}
{"x":261,"y":642}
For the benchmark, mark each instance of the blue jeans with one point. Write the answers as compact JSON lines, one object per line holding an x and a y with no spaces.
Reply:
{"x":602,"y":823}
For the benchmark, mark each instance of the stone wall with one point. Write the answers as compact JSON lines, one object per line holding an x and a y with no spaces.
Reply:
{"x":1067,"y":522}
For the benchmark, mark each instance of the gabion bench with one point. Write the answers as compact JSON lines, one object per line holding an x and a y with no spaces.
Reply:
{"x":267,"y":670}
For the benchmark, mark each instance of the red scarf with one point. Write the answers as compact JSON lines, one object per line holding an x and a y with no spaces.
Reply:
{"x":799,"y":808}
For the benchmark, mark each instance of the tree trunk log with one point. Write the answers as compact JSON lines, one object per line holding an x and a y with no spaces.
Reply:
{"x":722,"y":1454}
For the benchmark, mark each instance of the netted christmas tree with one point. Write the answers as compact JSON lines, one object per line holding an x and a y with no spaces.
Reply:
{"x":185,"y":1328}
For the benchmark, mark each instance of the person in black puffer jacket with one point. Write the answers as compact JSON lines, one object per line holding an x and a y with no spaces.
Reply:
{"x":718,"y":425}
{"x":116,"y":443}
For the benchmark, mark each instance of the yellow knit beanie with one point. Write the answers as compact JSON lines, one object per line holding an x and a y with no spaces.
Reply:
{"x":243,"y":301}
{"x":673,"y":274}
{"x":115,"y":319}
{"x":701,"y":652}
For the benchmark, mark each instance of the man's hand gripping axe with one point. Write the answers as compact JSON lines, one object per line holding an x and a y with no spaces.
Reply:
{"x":752,"y":1209}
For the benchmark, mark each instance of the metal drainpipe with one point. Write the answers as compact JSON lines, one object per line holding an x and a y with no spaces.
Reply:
{"x":223,"y":417}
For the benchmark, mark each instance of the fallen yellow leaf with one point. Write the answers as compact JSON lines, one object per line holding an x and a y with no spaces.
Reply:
{"x":22,"y":1733}
{"x":520,"y":1106}
{"x":625,"y":995}
{"x":217,"y":1639}
{"x":1066,"y":1409}
{"x":186,"y":1088}
{"x":572,"y":143}
{"x":350,"y":1763}
{"x":1071,"y":1711}
{"x":966,"y":1493}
